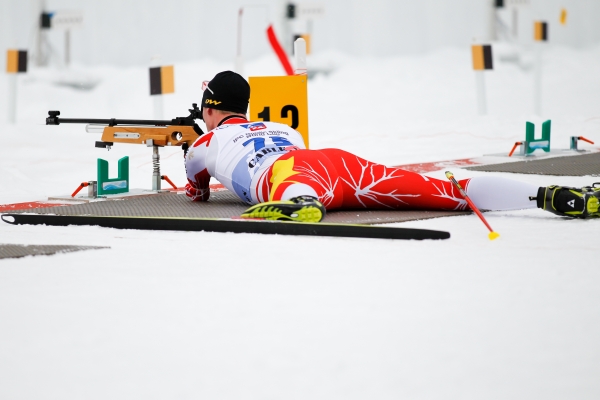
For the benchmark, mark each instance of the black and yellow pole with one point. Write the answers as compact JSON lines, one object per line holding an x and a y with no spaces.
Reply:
{"x":482,"y":60}
{"x":16,"y":62}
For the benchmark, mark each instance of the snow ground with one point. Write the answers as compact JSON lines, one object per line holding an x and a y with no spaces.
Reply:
{"x":190,"y":315}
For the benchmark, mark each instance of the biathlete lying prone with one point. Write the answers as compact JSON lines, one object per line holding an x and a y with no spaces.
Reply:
{"x":266,"y":164}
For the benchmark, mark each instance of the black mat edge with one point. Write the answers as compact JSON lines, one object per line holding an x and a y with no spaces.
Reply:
{"x":234,"y":226}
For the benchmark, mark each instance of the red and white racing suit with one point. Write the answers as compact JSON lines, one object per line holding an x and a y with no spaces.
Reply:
{"x":264,"y":161}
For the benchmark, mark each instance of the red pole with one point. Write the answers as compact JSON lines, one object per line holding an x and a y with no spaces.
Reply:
{"x":492,"y":235}
{"x":279,"y":51}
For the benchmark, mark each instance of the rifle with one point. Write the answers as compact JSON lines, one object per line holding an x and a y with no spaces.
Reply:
{"x":180,"y":131}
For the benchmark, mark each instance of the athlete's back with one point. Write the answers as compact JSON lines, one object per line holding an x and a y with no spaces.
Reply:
{"x":237,"y":153}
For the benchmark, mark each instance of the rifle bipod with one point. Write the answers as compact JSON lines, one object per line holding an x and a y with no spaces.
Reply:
{"x":155,"y":168}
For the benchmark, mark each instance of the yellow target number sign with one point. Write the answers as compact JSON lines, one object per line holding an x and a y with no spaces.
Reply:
{"x":280,"y":99}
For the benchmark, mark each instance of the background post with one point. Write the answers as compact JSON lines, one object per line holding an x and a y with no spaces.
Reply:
{"x":155,"y":87}
{"x":491,"y":6}
{"x":300,"y":57}
{"x":540,"y":35}
{"x":12,"y":98}
{"x":481,"y":101}
{"x":42,"y":25}
{"x":239,"y":61}
{"x":16,"y":62}
{"x":482,"y":60}
{"x":67,"y":47}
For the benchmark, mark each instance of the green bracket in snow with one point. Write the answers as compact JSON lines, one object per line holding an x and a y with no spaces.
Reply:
{"x":120,"y":184}
{"x":531,"y":143}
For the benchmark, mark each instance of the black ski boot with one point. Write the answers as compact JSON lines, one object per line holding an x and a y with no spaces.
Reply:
{"x":570,"y":202}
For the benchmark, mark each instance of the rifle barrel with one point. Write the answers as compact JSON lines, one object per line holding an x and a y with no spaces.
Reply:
{"x":112,"y":121}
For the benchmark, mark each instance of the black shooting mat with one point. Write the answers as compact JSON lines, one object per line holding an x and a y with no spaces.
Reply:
{"x":20,"y":250}
{"x":579,"y":165}
{"x":222,"y":204}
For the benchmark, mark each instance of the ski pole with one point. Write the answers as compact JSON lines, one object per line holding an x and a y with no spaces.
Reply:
{"x":492,"y":235}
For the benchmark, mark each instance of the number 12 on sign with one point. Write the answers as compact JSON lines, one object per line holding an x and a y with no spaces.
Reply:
{"x":288,"y":109}
{"x":280,"y":99}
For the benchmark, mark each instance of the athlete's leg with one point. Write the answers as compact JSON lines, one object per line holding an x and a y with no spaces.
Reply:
{"x":304,"y":173}
{"x":291,"y":187}
{"x":342,"y":180}
{"x":366,"y":184}
{"x":497,"y":193}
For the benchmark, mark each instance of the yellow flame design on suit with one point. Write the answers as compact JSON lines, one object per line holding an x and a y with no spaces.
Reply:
{"x":282,"y":169}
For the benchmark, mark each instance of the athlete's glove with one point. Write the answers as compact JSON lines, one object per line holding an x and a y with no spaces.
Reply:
{"x":196,"y":194}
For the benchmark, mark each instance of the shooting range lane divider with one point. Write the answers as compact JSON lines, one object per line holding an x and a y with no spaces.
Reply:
{"x":283,"y":58}
{"x":162,"y":80}
{"x":540,"y":31}
{"x":16,"y":63}
{"x":482,"y":57}
{"x":482,"y":60}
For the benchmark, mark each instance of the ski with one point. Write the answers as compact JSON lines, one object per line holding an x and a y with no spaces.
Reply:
{"x":229,"y":225}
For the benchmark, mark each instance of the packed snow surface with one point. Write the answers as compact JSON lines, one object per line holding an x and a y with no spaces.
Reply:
{"x":243,"y":316}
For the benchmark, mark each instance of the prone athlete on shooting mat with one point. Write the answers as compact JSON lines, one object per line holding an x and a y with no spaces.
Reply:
{"x":267,"y":165}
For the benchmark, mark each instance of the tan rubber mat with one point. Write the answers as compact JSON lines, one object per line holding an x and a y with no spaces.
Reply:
{"x":579,"y":165}
{"x":20,"y":250}
{"x":222,"y":204}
